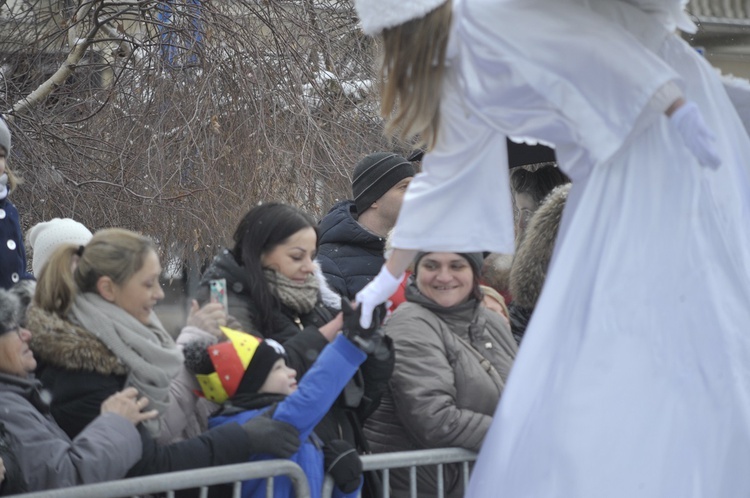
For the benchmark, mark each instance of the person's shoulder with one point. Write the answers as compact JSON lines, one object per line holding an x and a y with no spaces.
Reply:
{"x":410,"y":319}
{"x":340,"y":225}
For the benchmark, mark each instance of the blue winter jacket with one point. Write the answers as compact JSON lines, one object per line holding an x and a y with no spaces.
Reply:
{"x":304,"y":408}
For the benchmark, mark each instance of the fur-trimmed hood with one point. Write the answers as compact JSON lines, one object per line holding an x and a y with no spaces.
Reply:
{"x":58,"y":342}
{"x":530,"y":263}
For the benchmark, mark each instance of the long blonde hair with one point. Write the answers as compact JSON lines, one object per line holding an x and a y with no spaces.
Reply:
{"x":411,"y":76}
{"x":115,"y":253}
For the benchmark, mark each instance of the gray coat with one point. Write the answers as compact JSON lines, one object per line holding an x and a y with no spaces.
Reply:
{"x":451,"y":366}
{"x":105,"y":450}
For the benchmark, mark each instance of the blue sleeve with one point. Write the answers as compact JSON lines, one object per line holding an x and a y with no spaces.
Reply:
{"x":320,"y":386}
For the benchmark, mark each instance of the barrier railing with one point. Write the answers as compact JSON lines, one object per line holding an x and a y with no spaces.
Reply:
{"x":234,"y":474}
{"x":412,"y":459}
{"x":200,"y":478}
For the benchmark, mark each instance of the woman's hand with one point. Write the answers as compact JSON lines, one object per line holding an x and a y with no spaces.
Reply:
{"x":126,"y":403}
{"x":331,"y":329}
{"x":209,"y":318}
{"x":2,"y":470}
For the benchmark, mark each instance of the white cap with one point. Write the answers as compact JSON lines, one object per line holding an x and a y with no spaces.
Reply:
{"x":45,"y":237}
{"x":377,"y":15}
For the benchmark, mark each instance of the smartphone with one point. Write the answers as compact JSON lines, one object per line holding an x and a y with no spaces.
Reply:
{"x":219,"y":292}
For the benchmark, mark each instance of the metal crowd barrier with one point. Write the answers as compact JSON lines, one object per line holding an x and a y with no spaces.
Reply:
{"x":412,"y":459}
{"x":235,"y":474}
{"x":201,"y":478}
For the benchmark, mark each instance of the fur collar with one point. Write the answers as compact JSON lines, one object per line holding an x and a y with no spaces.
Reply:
{"x":60,"y":343}
{"x":529,"y":267}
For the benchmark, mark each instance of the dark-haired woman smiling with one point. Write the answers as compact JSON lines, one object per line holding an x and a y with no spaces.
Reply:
{"x":275,"y":290}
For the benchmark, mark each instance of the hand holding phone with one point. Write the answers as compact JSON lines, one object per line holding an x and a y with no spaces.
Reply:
{"x":219,"y":292}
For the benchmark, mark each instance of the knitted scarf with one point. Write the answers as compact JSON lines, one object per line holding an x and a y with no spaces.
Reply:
{"x":149,"y":352}
{"x":301,"y":298}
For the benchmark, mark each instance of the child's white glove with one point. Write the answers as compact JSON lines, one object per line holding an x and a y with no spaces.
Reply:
{"x":376,"y":292}
{"x":689,"y":123}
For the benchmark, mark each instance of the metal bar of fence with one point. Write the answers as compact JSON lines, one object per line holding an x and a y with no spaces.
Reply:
{"x":202,"y":478}
{"x":417,"y":457}
{"x":199,"y":478}
{"x":412,"y":459}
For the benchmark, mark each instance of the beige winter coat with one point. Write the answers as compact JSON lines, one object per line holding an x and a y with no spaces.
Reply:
{"x":451,"y":366}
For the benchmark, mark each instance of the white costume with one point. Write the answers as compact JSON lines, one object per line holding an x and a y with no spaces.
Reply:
{"x":571,"y":94}
{"x":633,"y":379}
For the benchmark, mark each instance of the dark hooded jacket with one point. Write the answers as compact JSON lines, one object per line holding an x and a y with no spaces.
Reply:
{"x":349,"y":255}
{"x":529,"y":268}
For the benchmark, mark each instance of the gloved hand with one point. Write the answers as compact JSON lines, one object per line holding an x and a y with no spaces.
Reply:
{"x":689,"y":123}
{"x":367,"y":339}
{"x":272,"y":436}
{"x":343,"y":464}
{"x":376,"y":292}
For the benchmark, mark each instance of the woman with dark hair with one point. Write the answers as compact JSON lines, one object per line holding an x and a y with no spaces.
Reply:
{"x":275,"y":288}
{"x":271,"y":283}
{"x":452,"y":358}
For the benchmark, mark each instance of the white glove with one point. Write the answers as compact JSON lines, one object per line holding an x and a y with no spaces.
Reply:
{"x":376,"y":292}
{"x":689,"y":123}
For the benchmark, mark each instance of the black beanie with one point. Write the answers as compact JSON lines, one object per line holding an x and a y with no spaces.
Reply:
{"x":260,"y":366}
{"x":475,"y":259}
{"x":375,"y":175}
{"x":219,"y":368}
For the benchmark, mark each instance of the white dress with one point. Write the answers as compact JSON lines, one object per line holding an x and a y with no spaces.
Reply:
{"x":633,"y":379}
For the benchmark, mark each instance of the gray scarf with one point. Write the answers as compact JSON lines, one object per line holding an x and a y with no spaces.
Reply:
{"x":149,"y":352}
{"x":301,"y":298}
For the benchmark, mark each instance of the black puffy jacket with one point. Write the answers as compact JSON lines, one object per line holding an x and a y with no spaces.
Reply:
{"x":349,"y":255}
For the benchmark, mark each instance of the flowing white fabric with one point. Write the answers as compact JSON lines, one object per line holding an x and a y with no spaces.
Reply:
{"x":634,"y":375}
{"x":570,"y":95}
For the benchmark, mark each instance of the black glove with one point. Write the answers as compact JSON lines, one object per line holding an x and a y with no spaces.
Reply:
{"x":342,"y":462}
{"x":369,"y":339}
{"x":272,"y":436}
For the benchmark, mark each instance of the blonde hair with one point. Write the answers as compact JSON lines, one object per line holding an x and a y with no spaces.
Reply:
{"x":13,"y":179}
{"x":411,"y":76}
{"x":114,"y":252}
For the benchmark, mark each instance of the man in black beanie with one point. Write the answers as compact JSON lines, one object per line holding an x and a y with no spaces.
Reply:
{"x":353,"y":233}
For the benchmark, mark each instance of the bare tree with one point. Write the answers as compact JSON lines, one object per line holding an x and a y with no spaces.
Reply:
{"x":173,"y":118}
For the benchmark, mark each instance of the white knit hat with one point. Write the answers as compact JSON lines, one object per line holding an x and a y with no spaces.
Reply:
{"x":377,"y":15}
{"x":45,"y":237}
{"x":4,"y":136}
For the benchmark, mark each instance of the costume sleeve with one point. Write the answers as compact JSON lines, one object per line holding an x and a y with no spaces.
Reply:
{"x":424,"y":391}
{"x":557,"y":83}
{"x":320,"y":386}
{"x":461,"y":200}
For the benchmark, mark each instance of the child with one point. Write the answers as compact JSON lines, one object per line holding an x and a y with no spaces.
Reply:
{"x":12,"y":252}
{"x":249,"y":375}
